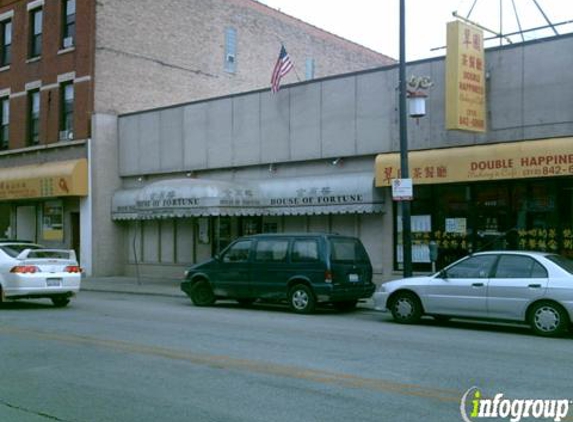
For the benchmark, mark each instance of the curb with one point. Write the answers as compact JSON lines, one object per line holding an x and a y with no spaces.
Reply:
{"x":364,"y":308}
{"x":127,"y":292}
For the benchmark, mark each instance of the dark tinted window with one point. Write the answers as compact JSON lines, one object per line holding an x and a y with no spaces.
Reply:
{"x":15,"y":249}
{"x":514,"y":266}
{"x":271,"y":250}
{"x":472,"y":267}
{"x":238,"y":252}
{"x":565,"y":263}
{"x":305,"y":250}
{"x":347,"y":250}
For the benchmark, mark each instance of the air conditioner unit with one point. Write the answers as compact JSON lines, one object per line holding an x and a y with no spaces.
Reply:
{"x":68,"y":42}
{"x":66,"y":135}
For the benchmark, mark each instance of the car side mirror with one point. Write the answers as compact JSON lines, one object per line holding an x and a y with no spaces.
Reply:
{"x":443,"y":274}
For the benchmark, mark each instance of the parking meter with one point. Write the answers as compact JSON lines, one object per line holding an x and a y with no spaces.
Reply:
{"x":433,"y":246}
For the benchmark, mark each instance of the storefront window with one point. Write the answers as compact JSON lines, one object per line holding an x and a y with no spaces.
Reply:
{"x":52,"y":223}
{"x":464,"y":218}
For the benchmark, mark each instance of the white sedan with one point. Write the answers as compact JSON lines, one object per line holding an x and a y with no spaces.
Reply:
{"x":28,"y":270}
{"x":531,"y":287}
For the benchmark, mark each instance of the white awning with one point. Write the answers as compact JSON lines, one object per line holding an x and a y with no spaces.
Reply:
{"x":124,"y":204}
{"x":185,"y":198}
{"x":328,"y":194}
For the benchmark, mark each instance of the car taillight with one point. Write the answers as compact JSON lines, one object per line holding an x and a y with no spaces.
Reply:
{"x":73,"y":269}
{"x":328,"y":276}
{"x":24,"y":269}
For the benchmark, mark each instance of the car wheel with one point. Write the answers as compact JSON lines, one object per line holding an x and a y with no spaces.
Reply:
{"x":301,"y":299}
{"x":60,"y":301}
{"x":406,"y":308}
{"x":202,"y":294}
{"x":346,"y":305}
{"x":548,"y":319}
{"x":246,"y":302}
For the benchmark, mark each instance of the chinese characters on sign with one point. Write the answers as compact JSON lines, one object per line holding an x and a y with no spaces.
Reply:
{"x":465,"y":78}
{"x":510,"y":160}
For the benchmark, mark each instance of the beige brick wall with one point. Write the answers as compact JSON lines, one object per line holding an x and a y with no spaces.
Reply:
{"x":154,"y":53}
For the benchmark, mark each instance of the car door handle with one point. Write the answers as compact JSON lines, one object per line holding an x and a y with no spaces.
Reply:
{"x":535,"y":286}
{"x":477,"y":285}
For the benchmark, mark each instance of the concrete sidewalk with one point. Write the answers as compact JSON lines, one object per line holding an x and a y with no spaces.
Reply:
{"x":133,"y":285}
{"x":153,"y":287}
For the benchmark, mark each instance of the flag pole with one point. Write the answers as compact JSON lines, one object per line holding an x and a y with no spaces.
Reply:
{"x":293,"y":67}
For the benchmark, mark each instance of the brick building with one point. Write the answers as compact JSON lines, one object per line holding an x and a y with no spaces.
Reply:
{"x":68,"y":67}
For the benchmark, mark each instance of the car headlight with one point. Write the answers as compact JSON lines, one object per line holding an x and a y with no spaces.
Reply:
{"x":381,"y":288}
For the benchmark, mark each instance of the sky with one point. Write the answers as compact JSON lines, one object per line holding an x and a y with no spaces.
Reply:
{"x":375,"y":23}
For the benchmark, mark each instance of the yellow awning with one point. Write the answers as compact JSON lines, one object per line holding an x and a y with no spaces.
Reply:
{"x":46,"y":180}
{"x":510,"y":160}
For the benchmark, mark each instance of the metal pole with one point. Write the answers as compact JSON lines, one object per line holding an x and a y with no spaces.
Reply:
{"x":404,"y":171}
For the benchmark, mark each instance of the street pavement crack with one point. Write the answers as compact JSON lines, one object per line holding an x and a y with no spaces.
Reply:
{"x":32,"y":412}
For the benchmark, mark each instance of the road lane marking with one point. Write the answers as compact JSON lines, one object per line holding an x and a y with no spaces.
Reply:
{"x":246,"y":365}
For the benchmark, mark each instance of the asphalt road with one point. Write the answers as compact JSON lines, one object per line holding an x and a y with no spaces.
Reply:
{"x":111,"y":357}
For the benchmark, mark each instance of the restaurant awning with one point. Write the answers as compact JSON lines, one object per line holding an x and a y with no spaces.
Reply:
{"x":185,"y":198}
{"x":509,"y":160}
{"x":340,"y":194}
{"x":327,"y":194}
{"x":45,"y":180}
{"x":124,"y":204}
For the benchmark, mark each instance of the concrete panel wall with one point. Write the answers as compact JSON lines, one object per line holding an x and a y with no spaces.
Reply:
{"x":195,"y":127}
{"x":305,"y":122}
{"x":171,"y":141}
{"x":375,"y":109}
{"x":246,"y":138}
{"x":350,"y":115}
{"x":275,"y":127}
{"x":219,"y":134}
{"x":338,"y":117}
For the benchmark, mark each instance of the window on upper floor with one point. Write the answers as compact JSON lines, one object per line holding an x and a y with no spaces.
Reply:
{"x":231,"y":50}
{"x":68,"y":23}
{"x":6,"y":42}
{"x":309,"y":69}
{"x":34,"y":117}
{"x":67,"y":111}
{"x":4,"y":122}
{"x":35,"y":20}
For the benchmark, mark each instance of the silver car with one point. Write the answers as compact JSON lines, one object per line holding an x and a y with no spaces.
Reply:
{"x":531,"y":287}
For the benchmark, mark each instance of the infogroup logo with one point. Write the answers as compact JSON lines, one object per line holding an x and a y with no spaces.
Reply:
{"x":475,"y":406}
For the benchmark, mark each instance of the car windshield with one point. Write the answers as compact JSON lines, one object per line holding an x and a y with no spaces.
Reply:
{"x":563,"y":262}
{"x":15,"y":249}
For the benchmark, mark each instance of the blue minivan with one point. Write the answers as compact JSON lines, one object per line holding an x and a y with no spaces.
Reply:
{"x":303,"y":269}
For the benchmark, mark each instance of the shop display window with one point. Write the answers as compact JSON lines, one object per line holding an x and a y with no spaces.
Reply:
{"x":464,"y":218}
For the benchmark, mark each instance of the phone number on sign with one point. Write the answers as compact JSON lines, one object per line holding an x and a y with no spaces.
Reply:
{"x":549,"y":171}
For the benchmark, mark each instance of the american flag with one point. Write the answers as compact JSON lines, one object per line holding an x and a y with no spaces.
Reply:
{"x":283,"y":66}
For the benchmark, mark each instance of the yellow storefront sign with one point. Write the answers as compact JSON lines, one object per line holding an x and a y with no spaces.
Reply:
{"x":465,"y":78}
{"x":46,"y":180}
{"x":510,"y":160}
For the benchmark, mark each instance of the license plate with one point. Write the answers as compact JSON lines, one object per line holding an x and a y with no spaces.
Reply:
{"x":353,"y":278}
{"x":52,"y":282}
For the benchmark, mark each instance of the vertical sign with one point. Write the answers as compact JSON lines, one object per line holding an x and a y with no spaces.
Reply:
{"x":465,"y":78}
